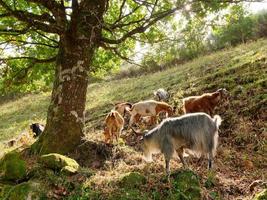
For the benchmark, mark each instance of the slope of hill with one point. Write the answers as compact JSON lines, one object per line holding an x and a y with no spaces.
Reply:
{"x":241,"y":157}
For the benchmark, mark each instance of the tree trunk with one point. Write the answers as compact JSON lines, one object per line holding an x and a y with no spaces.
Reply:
{"x":65,"y":118}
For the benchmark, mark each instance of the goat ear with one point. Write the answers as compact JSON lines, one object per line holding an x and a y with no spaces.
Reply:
{"x":225,"y":92}
{"x":215,"y":94}
{"x":127,"y":109}
{"x":222,"y":90}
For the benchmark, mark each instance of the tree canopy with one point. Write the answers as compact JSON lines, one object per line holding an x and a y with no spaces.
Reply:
{"x":30,"y":30}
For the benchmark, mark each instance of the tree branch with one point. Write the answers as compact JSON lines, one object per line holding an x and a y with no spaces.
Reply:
{"x":116,"y":52}
{"x":115,"y":24}
{"x":35,"y":60}
{"x":44,"y":36}
{"x":34,"y":20}
{"x":51,"y":5}
{"x":75,"y":5}
{"x":165,"y":39}
{"x":57,"y":9}
{"x":141,"y":29}
{"x":15,"y":31}
{"x":143,"y":2}
{"x":25,"y":43}
{"x":128,"y":60}
{"x":121,"y":8}
{"x":5,"y":15}
{"x":31,"y":65}
{"x":18,"y":74}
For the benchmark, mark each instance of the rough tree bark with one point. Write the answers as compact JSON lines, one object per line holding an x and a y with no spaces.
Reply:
{"x":65,"y":118}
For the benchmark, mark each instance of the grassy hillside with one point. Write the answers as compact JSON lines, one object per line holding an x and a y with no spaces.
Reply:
{"x":241,"y":70}
{"x":242,"y":152}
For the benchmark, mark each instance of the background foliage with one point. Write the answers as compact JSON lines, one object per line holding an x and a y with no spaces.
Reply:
{"x":192,"y":35}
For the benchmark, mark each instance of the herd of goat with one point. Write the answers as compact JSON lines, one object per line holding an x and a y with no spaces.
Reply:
{"x":196,"y":131}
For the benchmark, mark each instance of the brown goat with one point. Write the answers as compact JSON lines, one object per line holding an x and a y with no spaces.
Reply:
{"x":149,"y":108}
{"x":113,"y":126}
{"x":204,"y":103}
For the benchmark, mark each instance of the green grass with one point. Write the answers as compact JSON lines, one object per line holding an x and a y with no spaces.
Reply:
{"x":242,"y":70}
{"x":17,"y":115}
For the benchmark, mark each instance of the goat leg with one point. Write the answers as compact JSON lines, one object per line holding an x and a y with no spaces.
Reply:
{"x":210,"y":161}
{"x":167,"y":163}
{"x":180,"y":152}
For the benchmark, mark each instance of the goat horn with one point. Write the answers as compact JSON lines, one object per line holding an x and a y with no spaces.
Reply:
{"x":138,"y":133}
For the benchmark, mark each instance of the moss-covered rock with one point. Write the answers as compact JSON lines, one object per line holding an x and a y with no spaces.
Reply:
{"x":12,"y":167}
{"x":69,"y":170}
{"x":26,"y":190}
{"x":132,"y":180}
{"x":261,"y":196}
{"x":185,"y":185}
{"x":60,"y":162}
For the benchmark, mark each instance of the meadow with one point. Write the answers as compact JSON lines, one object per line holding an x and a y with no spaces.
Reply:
{"x":241,"y":157}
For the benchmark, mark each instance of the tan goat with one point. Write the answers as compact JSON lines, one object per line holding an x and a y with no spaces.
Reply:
{"x":113,"y":126}
{"x":149,"y":108}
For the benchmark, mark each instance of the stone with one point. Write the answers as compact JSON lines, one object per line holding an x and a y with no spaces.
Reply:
{"x":12,"y":167}
{"x":60,"y":162}
{"x":26,"y":190}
